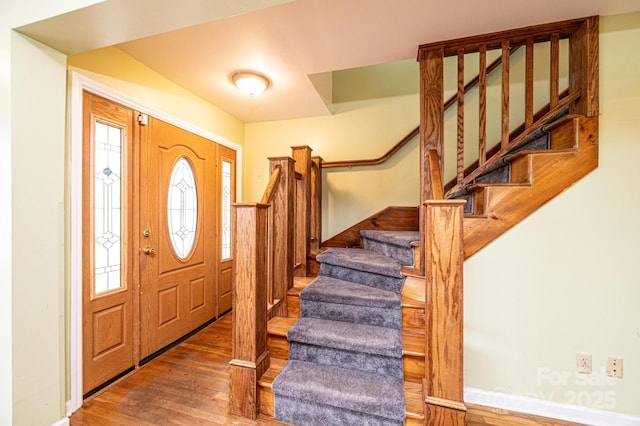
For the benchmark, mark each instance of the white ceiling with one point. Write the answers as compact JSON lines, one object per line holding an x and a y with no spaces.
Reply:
{"x":289,"y":40}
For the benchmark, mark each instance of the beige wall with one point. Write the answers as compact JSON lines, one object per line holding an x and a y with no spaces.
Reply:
{"x":112,"y":67}
{"x":356,"y":131}
{"x":32,"y":104}
{"x":566,"y":279}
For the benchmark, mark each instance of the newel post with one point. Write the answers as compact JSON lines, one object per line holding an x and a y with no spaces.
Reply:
{"x":282,"y":244}
{"x":444,"y":257}
{"x":583,"y":67}
{"x":431,"y":124}
{"x":249,"y":336}
{"x":302,"y":157}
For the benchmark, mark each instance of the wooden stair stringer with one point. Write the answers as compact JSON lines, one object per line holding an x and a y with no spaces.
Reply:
{"x":550,"y":173}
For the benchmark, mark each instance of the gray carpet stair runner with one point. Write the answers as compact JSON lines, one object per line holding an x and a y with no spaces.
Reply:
{"x":345,"y":351}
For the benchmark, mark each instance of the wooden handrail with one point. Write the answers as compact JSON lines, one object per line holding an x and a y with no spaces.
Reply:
{"x":271,"y":186}
{"x":413,"y":133}
{"x":436,"y":178}
{"x":375,"y":161}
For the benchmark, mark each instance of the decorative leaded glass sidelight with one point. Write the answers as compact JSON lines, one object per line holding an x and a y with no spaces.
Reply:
{"x":107,"y":204}
{"x":182,"y":208}
{"x":226,"y":209}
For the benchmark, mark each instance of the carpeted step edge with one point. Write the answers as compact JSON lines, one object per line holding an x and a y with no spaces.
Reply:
{"x":333,"y":290}
{"x":347,"y":336}
{"x":363,"y":260}
{"x":352,"y":390}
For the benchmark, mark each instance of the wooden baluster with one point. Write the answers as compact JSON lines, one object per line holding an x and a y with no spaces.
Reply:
{"x":583,"y":67}
{"x":505,"y":94}
{"x":482,"y":87}
{"x":431,"y":124}
{"x":528,"y":96}
{"x":555,"y":70}
{"x":443,"y":257}
{"x":282,"y":233}
{"x":460,"y":147}
{"x":316,"y":203}
{"x":249,"y":335}
{"x":302,"y":158}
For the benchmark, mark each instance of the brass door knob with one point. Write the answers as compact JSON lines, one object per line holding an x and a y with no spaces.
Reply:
{"x":148,"y":250}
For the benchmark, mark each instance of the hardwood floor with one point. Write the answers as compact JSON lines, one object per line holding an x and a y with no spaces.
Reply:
{"x":189,"y":385}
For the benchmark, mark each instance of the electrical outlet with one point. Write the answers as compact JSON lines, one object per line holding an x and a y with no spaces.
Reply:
{"x":614,"y":367}
{"x":583,"y":363}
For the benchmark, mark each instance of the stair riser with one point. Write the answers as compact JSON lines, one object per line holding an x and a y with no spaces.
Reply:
{"x":382,"y":317}
{"x":368,"y":363}
{"x":413,"y":319}
{"x":279,"y":346}
{"x":367,"y":278}
{"x":403,"y":254}
{"x":413,"y":368}
{"x":293,"y":306}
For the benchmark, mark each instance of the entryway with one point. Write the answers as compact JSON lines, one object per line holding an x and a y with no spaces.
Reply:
{"x":155,"y":236}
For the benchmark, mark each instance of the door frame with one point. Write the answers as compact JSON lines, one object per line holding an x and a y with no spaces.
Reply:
{"x":78,"y":84}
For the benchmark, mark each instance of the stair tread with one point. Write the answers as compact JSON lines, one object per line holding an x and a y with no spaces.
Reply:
{"x":363,"y":260}
{"x":363,"y":338}
{"x":348,"y":389}
{"x":524,"y":153}
{"x":398,"y":238}
{"x":333,"y":290}
{"x":412,"y":391}
{"x":278,"y":326}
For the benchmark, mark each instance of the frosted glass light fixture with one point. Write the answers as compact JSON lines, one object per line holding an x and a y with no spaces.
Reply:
{"x":250,"y":82}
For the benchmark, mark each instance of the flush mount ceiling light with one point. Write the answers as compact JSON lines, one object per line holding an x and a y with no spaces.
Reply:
{"x":250,"y":82}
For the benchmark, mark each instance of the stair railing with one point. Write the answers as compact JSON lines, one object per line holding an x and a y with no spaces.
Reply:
{"x":581,"y":97}
{"x":441,"y":221}
{"x":271,"y":240}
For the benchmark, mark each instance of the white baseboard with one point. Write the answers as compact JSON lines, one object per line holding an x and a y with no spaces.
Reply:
{"x":543,"y":408}
{"x":62,"y":422}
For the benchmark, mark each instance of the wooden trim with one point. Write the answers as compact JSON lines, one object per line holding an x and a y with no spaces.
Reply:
{"x":494,"y":40}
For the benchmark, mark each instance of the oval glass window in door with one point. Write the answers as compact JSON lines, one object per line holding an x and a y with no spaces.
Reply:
{"x":182,"y":208}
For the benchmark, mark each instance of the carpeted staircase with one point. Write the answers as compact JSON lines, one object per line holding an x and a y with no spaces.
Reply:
{"x":345,"y":362}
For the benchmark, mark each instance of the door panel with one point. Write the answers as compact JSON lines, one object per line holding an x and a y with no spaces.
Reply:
{"x":177,"y":276}
{"x":107,"y":291}
{"x":226,"y":196}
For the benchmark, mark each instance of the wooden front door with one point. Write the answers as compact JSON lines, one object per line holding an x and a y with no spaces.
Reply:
{"x":108,"y":287}
{"x":178,"y":250}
